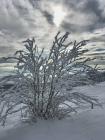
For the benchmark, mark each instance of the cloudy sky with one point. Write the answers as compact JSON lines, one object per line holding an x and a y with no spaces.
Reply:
{"x":21,"y":19}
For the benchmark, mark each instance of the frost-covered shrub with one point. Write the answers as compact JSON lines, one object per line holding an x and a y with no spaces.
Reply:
{"x":41,"y":84}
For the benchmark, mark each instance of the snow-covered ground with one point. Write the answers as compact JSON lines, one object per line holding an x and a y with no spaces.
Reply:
{"x":85,"y":125}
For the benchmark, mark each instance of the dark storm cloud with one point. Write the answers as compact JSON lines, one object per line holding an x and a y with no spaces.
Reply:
{"x":6,"y":50}
{"x":74,"y":28}
{"x":48,"y":16}
{"x":100,"y":38}
{"x":100,"y":49}
{"x":87,"y":8}
{"x":93,"y":6}
{"x":22,"y":10}
{"x":33,"y":2}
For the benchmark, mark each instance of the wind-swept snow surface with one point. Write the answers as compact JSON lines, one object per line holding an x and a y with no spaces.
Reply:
{"x":86,"y":125}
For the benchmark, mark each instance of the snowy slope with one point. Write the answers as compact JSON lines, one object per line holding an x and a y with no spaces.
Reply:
{"x":86,"y":125}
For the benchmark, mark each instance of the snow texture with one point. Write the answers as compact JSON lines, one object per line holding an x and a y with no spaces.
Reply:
{"x":85,"y":125}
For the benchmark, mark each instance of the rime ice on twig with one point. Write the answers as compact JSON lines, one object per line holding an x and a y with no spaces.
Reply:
{"x":41,"y":85}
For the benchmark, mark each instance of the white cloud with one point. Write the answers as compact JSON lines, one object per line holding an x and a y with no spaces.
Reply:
{"x":20,"y":19}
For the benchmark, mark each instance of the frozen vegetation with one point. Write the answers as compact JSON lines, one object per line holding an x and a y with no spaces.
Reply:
{"x":40,"y":101}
